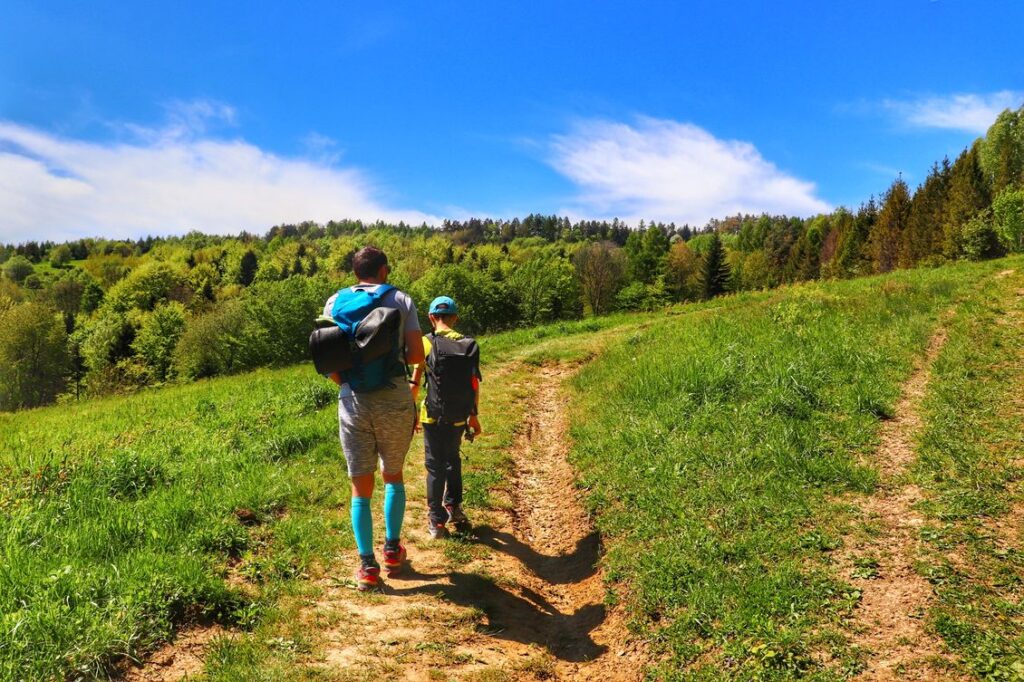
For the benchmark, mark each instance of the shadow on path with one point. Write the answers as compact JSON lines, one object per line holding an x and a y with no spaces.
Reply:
{"x":554,"y":570}
{"x":528,"y":617}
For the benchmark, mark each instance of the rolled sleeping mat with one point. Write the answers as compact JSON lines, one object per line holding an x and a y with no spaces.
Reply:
{"x":330,"y":349}
{"x":376,"y":335}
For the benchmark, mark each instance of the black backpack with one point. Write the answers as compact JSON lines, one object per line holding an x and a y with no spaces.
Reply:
{"x":451,"y":366}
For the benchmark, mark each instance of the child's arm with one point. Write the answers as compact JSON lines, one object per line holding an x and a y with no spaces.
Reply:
{"x":474,"y":419}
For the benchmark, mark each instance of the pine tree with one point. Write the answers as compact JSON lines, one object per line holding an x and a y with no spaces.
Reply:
{"x":887,"y":233}
{"x":968,"y":194}
{"x":923,"y":236}
{"x":853,"y":257}
{"x":715,"y":271}
{"x":247,"y":268}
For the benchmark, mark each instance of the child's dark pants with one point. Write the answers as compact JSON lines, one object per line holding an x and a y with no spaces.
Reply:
{"x":444,"y":468}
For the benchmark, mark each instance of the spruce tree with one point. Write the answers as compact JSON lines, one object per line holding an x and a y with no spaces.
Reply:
{"x":968,"y":194}
{"x":715,"y":271}
{"x":887,"y":233}
{"x":923,"y":236}
{"x":247,"y":268}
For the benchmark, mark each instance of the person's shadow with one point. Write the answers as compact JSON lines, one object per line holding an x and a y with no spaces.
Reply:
{"x":555,"y":570}
{"x":525,"y":617}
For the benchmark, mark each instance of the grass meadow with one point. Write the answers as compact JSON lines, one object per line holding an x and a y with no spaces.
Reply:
{"x":971,"y":464}
{"x":714,"y":441}
{"x":717,"y":449}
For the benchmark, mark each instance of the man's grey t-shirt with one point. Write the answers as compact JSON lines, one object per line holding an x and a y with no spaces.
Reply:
{"x":392,"y":299}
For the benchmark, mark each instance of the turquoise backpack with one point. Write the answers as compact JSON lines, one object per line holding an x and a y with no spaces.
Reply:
{"x":351,"y":308}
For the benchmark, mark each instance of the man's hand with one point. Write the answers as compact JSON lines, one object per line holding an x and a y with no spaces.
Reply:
{"x":474,"y":425}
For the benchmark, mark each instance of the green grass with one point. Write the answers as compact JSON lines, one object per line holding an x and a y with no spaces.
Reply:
{"x":971,"y":466}
{"x":119,"y":515}
{"x":714,"y":447}
{"x":710,"y":437}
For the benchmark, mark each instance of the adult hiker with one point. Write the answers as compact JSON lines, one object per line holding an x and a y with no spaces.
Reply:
{"x":452,"y":368}
{"x":376,"y":411}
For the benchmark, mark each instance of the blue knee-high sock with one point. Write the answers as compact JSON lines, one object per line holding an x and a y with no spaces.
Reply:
{"x":362,"y":525}
{"x":394,"y":510}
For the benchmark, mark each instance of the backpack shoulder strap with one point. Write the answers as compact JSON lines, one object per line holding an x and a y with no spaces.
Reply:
{"x":380,"y":292}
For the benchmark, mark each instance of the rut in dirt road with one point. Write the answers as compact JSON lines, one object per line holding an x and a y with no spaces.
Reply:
{"x":888,"y":622}
{"x":553,"y":539}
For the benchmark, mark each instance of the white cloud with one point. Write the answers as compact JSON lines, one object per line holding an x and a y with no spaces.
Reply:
{"x":971,"y":113}
{"x":170,"y":180}
{"x":670,"y":171}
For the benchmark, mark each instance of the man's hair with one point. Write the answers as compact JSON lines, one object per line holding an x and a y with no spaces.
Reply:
{"x":368,"y":261}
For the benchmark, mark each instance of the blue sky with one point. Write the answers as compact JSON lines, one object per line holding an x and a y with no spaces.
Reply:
{"x":123,"y":120}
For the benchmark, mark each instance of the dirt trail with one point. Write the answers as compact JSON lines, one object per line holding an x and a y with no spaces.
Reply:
{"x":523,"y":601}
{"x":562,"y":548}
{"x":520,"y":600}
{"x":888,"y":622}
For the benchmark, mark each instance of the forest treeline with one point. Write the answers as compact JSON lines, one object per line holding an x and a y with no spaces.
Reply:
{"x":95,"y":316}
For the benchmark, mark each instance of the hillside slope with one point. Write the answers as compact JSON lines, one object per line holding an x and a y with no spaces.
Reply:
{"x":727,"y":451}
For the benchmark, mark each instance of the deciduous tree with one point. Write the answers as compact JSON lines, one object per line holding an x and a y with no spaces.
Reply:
{"x":33,"y":355}
{"x":600,"y":268}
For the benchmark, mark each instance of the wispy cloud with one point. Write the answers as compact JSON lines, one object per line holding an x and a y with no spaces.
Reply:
{"x":666,"y":170}
{"x":967,"y":112}
{"x":890,"y":172}
{"x":170,"y":179}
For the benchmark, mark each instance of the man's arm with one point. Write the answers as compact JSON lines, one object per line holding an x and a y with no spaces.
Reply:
{"x":414,"y":347}
{"x":417,"y":379}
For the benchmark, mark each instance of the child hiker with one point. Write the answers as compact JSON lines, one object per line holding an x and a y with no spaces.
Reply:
{"x":452,"y":368}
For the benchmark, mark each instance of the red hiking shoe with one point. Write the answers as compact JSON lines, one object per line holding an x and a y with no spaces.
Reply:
{"x":394,"y":557}
{"x":367,"y":577}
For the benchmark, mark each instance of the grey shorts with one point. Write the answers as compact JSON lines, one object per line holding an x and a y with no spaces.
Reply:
{"x":376,"y":426}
